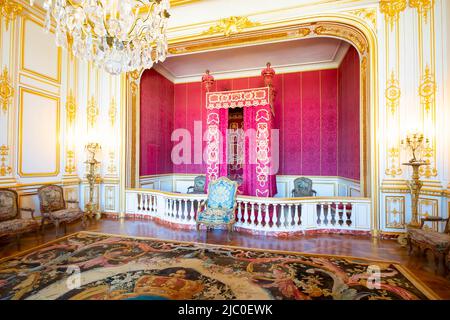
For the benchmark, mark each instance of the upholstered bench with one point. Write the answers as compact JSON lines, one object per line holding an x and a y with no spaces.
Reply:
{"x":436,"y":242}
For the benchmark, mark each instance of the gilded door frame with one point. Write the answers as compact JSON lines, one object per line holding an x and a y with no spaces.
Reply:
{"x":349,"y":28}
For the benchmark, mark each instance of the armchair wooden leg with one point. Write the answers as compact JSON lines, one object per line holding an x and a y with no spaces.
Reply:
{"x":230,"y":230}
{"x":410,"y":246}
{"x":43,"y":223}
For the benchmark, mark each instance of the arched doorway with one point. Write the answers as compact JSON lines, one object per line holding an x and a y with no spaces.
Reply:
{"x":350,"y":29}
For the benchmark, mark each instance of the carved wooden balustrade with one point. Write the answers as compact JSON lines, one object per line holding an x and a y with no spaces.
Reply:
{"x":271,"y":215}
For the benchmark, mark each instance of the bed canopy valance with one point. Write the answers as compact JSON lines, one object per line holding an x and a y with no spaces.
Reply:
{"x":242,"y":150}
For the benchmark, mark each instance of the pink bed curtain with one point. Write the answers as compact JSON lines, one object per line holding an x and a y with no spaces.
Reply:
{"x":258,"y":176}
{"x":259,"y":180}
{"x":217,"y":125}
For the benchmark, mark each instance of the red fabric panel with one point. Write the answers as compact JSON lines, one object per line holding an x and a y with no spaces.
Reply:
{"x":311,"y":110}
{"x":290,"y":124}
{"x":328,"y":144}
{"x":156,"y":114}
{"x":180,"y":114}
{"x":315,"y":112}
{"x":348,"y":119}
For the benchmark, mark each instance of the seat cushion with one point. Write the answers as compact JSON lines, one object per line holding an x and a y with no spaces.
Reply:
{"x":18,"y":226}
{"x":67,"y":214}
{"x":440,"y":241}
{"x":215,"y":216}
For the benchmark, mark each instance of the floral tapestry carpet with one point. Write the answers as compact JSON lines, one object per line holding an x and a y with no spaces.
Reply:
{"x":94,"y":266}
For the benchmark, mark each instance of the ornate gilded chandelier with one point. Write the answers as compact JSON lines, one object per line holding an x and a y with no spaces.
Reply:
{"x":116,"y":35}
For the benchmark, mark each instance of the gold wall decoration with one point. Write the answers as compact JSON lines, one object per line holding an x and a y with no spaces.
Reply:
{"x":427,"y":83}
{"x":393,"y":93}
{"x":395,"y":212}
{"x":429,"y":207}
{"x":70,"y":162}
{"x":112,"y":112}
{"x":134,"y":79}
{"x":112,"y":169}
{"x":427,"y":89}
{"x":6,"y":90}
{"x":367,"y":14}
{"x":423,"y":7}
{"x":92,"y":112}
{"x":393,"y":168}
{"x":110,"y":198}
{"x":4,"y":168}
{"x":10,"y":10}
{"x":71,"y":108}
{"x":391,"y":9}
{"x":231,"y":25}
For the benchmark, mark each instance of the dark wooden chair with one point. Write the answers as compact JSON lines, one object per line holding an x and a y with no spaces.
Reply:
{"x":54,"y":207}
{"x":198,"y":187}
{"x":429,"y":240}
{"x":303,"y":188}
{"x":11,"y":221}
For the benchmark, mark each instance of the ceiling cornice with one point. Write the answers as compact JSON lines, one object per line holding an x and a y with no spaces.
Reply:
{"x":174,"y":3}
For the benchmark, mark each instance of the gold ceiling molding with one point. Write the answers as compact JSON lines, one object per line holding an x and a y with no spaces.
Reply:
{"x":4,"y":169}
{"x":337,"y":31}
{"x":423,"y":7}
{"x":243,"y":38}
{"x":10,"y":10}
{"x":366,"y":14}
{"x":391,"y":9}
{"x":231,"y":25}
{"x":175,"y":3}
{"x":6,"y":90}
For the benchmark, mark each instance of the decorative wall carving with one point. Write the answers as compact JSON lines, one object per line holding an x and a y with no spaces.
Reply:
{"x":427,"y":82}
{"x":71,"y":108}
{"x":6,"y":90}
{"x":70,"y":162}
{"x":367,"y":14}
{"x":395,"y":212}
{"x":92,"y":112}
{"x":5,"y":169}
{"x":112,"y":112}
{"x":391,"y":9}
{"x":231,"y":25}
{"x":10,"y":10}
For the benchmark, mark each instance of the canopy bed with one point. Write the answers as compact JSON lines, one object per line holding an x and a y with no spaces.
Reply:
{"x":239,"y":136}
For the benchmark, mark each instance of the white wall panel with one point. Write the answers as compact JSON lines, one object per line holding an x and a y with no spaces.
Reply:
{"x":38,"y":134}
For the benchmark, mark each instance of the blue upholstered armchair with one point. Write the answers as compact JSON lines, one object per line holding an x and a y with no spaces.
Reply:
{"x":220,"y":206}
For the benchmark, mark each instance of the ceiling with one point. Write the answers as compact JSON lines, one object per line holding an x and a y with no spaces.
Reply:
{"x":287,"y":56}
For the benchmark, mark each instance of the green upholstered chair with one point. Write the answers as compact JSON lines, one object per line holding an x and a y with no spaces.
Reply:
{"x":199,"y":185}
{"x":303,"y":188}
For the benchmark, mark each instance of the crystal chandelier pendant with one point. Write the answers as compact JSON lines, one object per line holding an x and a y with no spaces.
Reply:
{"x":117,"y":35}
